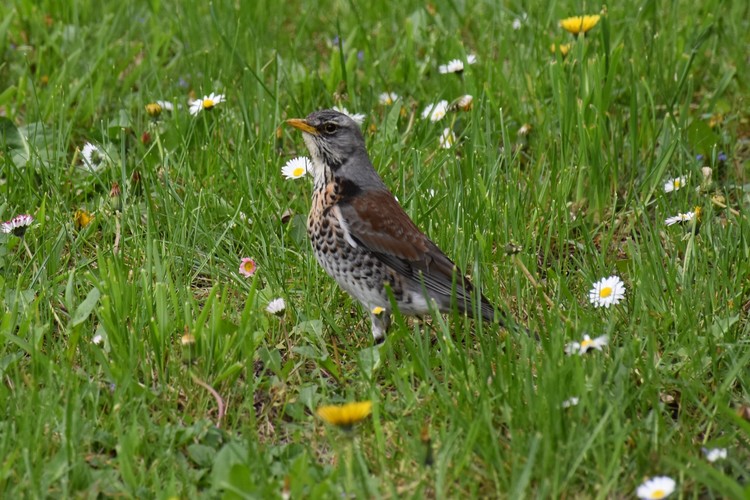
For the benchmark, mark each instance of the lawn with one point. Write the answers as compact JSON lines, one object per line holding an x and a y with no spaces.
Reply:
{"x":139,"y":358}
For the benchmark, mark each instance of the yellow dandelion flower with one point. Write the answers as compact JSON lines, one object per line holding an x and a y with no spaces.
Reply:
{"x":579,"y":24}
{"x":153,"y":109}
{"x":345,"y":416}
{"x":377,"y":310}
{"x":82,"y":218}
{"x":564,"y":48}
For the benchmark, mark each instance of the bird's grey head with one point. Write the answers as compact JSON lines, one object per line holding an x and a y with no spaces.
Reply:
{"x":337,"y":148}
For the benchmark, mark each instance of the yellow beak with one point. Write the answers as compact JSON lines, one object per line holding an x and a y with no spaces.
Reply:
{"x":302,"y":125}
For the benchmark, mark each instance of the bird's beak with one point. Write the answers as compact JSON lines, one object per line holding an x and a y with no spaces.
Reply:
{"x":302,"y":125}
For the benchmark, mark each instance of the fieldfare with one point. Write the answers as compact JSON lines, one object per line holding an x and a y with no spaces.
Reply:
{"x":363,"y":238}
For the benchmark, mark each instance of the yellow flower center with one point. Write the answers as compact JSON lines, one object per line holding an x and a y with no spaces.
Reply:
{"x":208,"y":103}
{"x":676,"y":184}
{"x":605,"y":292}
{"x":586,"y":343}
{"x":249,"y":266}
{"x":377,"y":310}
{"x":658,"y":494}
{"x":298,"y":172}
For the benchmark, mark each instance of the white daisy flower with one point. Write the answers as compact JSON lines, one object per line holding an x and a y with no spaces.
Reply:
{"x":675,"y":184}
{"x":388,"y":98}
{"x":276,"y":306}
{"x":586,"y":345}
{"x":679,"y":218}
{"x":93,"y":157}
{"x":296,"y":167}
{"x":656,"y":488}
{"x":453,"y":66}
{"x":524,"y":129}
{"x":166,"y":105}
{"x":359,"y":118}
{"x":516,"y":24}
{"x":464,"y":102}
{"x":471,"y":59}
{"x":17,"y":225}
{"x":208,"y":102}
{"x":447,"y":138}
{"x":435,"y":112}
{"x":607,"y":292}
{"x":98,"y":339}
{"x":714,"y":454}
{"x":570,"y":402}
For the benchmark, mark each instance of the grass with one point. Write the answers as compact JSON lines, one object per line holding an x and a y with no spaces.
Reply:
{"x":461,"y":409}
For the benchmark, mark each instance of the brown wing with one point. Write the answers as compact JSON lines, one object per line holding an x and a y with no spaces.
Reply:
{"x":377,"y":222}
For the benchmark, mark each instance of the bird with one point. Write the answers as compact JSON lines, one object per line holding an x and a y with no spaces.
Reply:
{"x":365,"y":240}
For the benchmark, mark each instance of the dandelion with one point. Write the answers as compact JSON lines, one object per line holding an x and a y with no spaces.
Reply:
{"x":579,"y":24}
{"x":276,"y":306}
{"x":656,"y":488}
{"x":570,"y":402}
{"x":714,"y":454}
{"x":82,"y":218}
{"x":388,"y":98}
{"x":208,"y":102}
{"x":607,"y":292}
{"x":447,"y":138}
{"x":679,"y":218}
{"x":586,"y":345}
{"x":675,"y":184}
{"x":347,"y":415}
{"x":564,"y":48}
{"x":296,"y":167}
{"x":358,"y":118}
{"x":435,"y":112}
{"x":248,"y":267}
{"x":17,"y":225}
{"x":93,"y":157}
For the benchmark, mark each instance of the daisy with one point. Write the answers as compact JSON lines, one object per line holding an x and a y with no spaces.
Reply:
{"x":656,"y":488}
{"x":248,"y":267}
{"x":435,"y":112}
{"x":579,"y":24}
{"x":714,"y":454}
{"x":570,"y":402}
{"x":679,"y":218}
{"x":208,"y":102}
{"x":607,"y":292}
{"x":447,"y":138}
{"x":296,"y":167}
{"x":516,"y":24}
{"x":98,"y":339}
{"x":675,"y":184}
{"x":345,"y":416}
{"x":586,"y":345}
{"x":276,"y":306}
{"x":464,"y":103}
{"x":17,"y":225}
{"x":453,"y":66}
{"x":388,"y":98}
{"x":358,"y":118}
{"x":93,"y":157}
{"x":471,"y":59}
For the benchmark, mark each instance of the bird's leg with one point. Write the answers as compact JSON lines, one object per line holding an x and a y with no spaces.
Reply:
{"x":381,"y":320}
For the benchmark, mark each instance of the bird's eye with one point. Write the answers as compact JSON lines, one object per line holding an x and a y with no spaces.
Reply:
{"x":329,"y":128}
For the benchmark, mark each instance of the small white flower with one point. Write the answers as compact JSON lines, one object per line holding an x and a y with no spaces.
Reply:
{"x":679,"y":218}
{"x":276,"y":306}
{"x":388,"y":98}
{"x":165,"y":105}
{"x":208,"y":102}
{"x":607,"y":292}
{"x":524,"y":129}
{"x":464,"y":102}
{"x":296,"y":167}
{"x":570,"y":402}
{"x":93,"y":157}
{"x":586,"y":345}
{"x":656,"y":488}
{"x":358,"y":118}
{"x":98,"y":339}
{"x":516,"y":24}
{"x":471,"y":59}
{"x":447,"y":138}
{"x":675,"y":184}
{"x":431,"y":193}
{"x":435,"y":112}
{"x":453,"y":66}
{"x":714,"y":454}
{"x":17,"y":225}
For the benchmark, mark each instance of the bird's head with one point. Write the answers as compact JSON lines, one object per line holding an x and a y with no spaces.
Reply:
{"x":336,"y":146}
